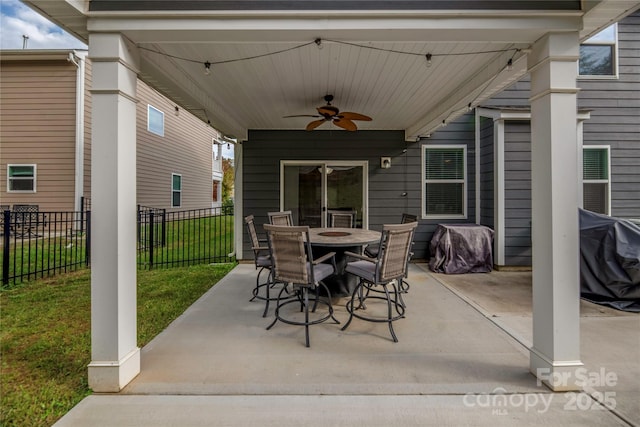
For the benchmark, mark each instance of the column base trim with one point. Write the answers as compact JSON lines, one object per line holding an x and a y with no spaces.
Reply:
{"x":113,"y":376}
{"x":557,"y":375}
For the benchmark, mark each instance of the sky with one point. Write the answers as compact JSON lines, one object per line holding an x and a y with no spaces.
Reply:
{"x":17,"y":20}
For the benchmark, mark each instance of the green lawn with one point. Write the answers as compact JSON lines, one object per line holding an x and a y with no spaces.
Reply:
{"x":45,"y":342}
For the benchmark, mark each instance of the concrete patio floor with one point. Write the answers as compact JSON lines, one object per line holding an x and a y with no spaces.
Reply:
{"x":461,"y":359}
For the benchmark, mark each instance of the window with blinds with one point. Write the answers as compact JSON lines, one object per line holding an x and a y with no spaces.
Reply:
{"x":176,"y":190}
{"x":595,"y":179}
{"x":444,"y":174}
{"x":21,"y":178}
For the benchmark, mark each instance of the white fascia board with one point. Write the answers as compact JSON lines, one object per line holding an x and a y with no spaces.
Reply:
{"x":281,"y":26}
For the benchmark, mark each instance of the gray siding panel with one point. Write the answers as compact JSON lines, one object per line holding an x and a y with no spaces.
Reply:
{"x":615,"y":119}
{"x":517,"y":153}
{"x":265,"y":149}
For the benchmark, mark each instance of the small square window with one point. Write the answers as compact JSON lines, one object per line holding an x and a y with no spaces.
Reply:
{"x":155,"y":120}
{"x":21,"y":178}
{"x":596,"y":60}
{"x":598,"y":54}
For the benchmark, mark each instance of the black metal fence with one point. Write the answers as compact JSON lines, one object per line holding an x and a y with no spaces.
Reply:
{"x":38,"y":244}
{"x":167,"y":239}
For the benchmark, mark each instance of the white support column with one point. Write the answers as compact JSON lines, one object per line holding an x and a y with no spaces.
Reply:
{"x":555,"y":355}
{"x":115,"y":356}
{"x":499,"y":218}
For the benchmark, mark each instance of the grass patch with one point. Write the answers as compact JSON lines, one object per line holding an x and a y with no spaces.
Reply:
{"x":45,"y":335}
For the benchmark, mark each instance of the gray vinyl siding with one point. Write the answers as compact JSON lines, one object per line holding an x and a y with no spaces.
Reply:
{"x":37,"y":126}
{"x":486,"y":173}
{"x":615,"y":119}
{"x":264,"y":150}
{"x":517,"y":171}
{"x":185,"y":149}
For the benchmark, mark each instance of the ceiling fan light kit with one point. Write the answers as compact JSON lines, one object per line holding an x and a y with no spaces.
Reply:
{"x":330,"y":113}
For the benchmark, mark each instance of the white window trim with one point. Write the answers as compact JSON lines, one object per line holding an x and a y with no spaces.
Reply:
{"x":35,"y":176}
{"x":151,"y":107}
{"x":607,"y":181}
{"x":174,"y":191}
{"x":615,"y":45}
{"x":464,"y":182}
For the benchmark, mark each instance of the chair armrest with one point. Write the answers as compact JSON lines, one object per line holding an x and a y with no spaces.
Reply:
{"x":323,"y":258}
{"x":358,"y":256}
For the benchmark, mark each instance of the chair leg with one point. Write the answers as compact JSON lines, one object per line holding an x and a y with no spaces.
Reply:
{"x":268,"y":298}
{"x":349,"y":306}
{"x":390,"y":313}
{"x":277,"y":310}
{"x":305,"y":294}
{"x":328,"y":302}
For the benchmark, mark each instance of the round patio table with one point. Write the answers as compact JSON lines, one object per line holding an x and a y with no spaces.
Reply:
{"x":341,"y":240}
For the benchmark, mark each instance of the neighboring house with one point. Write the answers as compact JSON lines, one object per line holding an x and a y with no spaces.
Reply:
{"x":45,"y":139}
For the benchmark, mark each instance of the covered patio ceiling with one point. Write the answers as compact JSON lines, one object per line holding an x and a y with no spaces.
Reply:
{"x":267,"y":64}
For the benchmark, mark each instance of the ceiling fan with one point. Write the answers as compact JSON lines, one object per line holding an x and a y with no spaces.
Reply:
{"x":333,"y":114}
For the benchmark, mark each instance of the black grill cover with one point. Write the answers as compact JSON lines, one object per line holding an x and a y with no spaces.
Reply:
{"x":609,"y":261}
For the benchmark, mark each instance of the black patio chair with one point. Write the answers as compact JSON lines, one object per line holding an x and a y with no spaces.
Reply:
{"x":379,"y":274}
{"x":26,"y":219}
{"x":293,"y":264}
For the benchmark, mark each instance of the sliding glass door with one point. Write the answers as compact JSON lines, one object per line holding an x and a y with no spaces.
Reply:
{"x":310,"y":188}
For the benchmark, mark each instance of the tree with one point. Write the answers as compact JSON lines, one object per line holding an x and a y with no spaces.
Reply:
{"x":228,"y":179}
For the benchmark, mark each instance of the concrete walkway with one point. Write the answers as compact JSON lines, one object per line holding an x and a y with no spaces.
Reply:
{"x":216,"y":365}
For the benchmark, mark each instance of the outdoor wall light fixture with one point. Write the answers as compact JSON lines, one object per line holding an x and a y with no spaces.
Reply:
{"x":177,"y":113}
{"x":207,"y":68}
{"x":385,"y":162}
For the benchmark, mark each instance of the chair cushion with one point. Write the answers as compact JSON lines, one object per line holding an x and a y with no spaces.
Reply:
{"x":263,"y":261}
{"x":321,"y":271}
{"x":364,"y":269}
{"x":372,"y":250}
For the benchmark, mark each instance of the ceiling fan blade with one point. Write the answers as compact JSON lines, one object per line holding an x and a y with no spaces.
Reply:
{"x":345,"y":124}
{"x":354,"y":116}
{"x":301,"y":115}
{"x":314,"y":124}
{"x":328,"y":110}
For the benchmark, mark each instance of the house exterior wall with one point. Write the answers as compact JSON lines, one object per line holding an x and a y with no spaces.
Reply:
{"x":261,"y":172}
{"x":185,"y":149}
{"x":615,"y":119}
{"x":37,"y":126}
{"x":614,"y":106}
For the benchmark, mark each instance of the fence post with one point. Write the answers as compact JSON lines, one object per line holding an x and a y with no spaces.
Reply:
{"x":87,"y":251}
{"x":151,"y":242}
{"x":164,"y":228}
{"x":6,"y":220}
{"x":138,"y":230}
